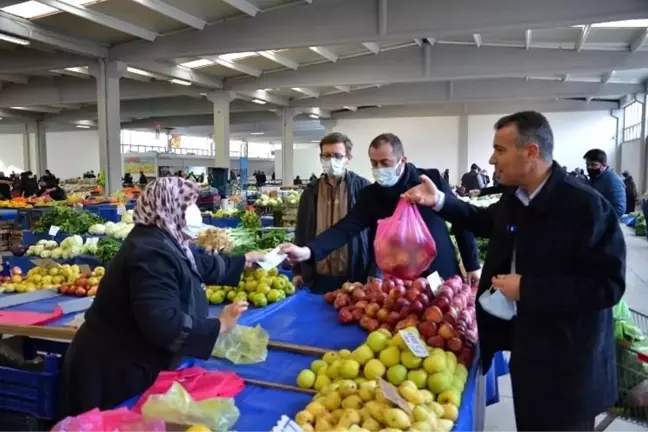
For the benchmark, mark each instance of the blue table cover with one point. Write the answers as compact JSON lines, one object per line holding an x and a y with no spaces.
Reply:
{"x":108,"y":212}
{"x":8,"y":215}
{"x":266,"y":221}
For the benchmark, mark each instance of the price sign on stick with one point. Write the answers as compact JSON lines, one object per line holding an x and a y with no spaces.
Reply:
{"x":391,"y":393}
{"x":121,"y":209}
{"x":285,"y":424}
{"x":435,"y":282}
{"x":54,"y":230}
{"x":414,"y":343}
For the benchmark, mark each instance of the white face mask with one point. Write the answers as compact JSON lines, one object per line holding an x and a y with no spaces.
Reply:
{"x":333,"y":167}
{"x":494,"y":302}
{"x":387,"y":177}
{"x":194,"y":222}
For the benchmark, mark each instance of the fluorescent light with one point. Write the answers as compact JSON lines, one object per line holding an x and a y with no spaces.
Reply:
{"x":139,"y":71}
{"x":197,"y":63}
{"x":19,"y":108}
{"x":237,"y":56}
{"x":0,"y":118}
{"x":259,"y":101}
{"x":313,"y":116}
{"x":83,"y":126}
{"x":315,"y":142}
{"x":33,"y":9}
{"x":80,"y":69}
{"x":180,"y":82}
{"x":256,"y":133}
{"x":635,"y":23}
{"x":13,"y":39}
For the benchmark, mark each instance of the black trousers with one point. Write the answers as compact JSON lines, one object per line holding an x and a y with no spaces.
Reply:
{"x":587,"y":425}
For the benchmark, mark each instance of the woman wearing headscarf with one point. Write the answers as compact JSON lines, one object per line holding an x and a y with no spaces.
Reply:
{"x":150,"y":310}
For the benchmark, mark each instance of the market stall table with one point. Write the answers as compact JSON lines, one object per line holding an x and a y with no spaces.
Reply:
{"x":8,"y":215}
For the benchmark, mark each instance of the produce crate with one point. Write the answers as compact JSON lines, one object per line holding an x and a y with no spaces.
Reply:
{"x":6,"y":229}
{"x":34,"y":393}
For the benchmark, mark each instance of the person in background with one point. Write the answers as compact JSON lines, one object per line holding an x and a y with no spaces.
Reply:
{"x":92,"y":175}
{"x":557,"y":255}
{"x":5,"y":187}
{"x":297,"y":181}
{"x":473,"y":179}
{"x":485,"y":177}
{"x":631,"y":192}
{"x":446,"y":175}
{"x":393,"y":175}
{"x":47,"y":176}
{"x":51,"y":189}
{"x":312,"y":177}
{"x":605,"y":181}
{"x":128,"y":180}
{"x":29,"y":184}
{"x":150,"y":310}
{"x":323,"y":203}
{"x":273,"y":176}
{"x":142,"y":179}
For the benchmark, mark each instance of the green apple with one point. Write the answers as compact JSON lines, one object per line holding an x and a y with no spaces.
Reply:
{"x":362,"y":354}
{"x":396,"y":374}
{"x":418,"y":377}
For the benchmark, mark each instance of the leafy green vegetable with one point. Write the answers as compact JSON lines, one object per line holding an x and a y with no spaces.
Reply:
{"x":69,"y":220}
{"x":107,"y":248}
{"x":250,"y":220}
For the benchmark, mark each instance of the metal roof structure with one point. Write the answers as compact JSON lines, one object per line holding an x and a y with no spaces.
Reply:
{"x":323,"y":58}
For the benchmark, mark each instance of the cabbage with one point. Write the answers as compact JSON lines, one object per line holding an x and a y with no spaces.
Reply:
{"x":65,"y":254}
{"x":41,"y":243}
{"x":51,"y":244}
{"x":45,"y":254}
{"x":77,"y":240}
{"x":75,"y":251}
{"x":110,"y":228}
{"x":97,"y":229}
{"x":127,"y":217}
{"x":56,"y":253}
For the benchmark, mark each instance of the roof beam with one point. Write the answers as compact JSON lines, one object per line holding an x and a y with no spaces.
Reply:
{"x":37,"y":108}
{"x":606,"y":77}
{"x":26,"y":62}
{"x":478,"y":40}
{"x":451,"y":62}
{"x":371,"y":46}
{"x":266,"y":97}
{"x":27,"y":29}
{"x":244,"y":6}
{"x":326,"y":53}
{"x":467,"y":90}
{"x":582,"y":36}
{"x":78,"y":72}
{"x":357,"y":22}
{"x":179,"y":72}
{"x":639,"y":40}
{"x":14,"y":79}
{"x":240,"y":67}
{"x":173,"y":13}
{"x":279,"y":59}
{"x":343,"y":88}
{"x":101,"y":19}
{"x":307,"y":91}
{"x":527,"y":39}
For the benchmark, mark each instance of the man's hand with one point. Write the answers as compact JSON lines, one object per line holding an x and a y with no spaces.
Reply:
{"x":298,"y":281}
{"x":254,"y":257}
{"x":473,"y":277}
{"x":425,"y":194}
{"x":295,"y":253}
{"x":230,"y":315}
{"x":509,"y":285}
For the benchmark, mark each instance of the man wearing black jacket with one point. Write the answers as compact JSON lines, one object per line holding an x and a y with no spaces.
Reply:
{"x":377,"y":201}
{"x":323,"y":203}
{"x":557,"y":252}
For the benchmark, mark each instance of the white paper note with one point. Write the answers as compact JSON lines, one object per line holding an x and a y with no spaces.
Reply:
{"x":54,"y":230}
{"x":272,"y":259}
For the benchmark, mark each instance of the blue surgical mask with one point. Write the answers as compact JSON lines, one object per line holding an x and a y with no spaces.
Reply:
{"x":333,"y":167}
{"x":494,"y":302}
{"x":387,"y":177}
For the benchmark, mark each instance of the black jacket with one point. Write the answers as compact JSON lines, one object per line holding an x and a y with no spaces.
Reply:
{"x":570,"y":253}
{"x":359,"y":251}
{"x":471,"y":181}
{"x":149,"y":312}
{"x":376,"y":202}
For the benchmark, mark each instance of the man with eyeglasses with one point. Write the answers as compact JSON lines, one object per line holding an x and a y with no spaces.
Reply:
{"x":323,"y":203}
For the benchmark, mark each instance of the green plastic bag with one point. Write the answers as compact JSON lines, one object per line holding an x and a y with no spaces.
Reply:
{"x":243,"y":345}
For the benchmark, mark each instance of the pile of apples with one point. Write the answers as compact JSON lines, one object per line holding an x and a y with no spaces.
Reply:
{"x":445,"y":320}
{"x":85,"y":285}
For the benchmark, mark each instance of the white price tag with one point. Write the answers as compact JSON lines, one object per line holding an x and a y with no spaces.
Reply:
{"x":285,"y":424}
{"x":121,"y":209}
{"x":272,"y":259}
{"x":435,"y":282}
{"x":391,"y":393}
{"x":414,"y":343}
{"x":54,"y":230}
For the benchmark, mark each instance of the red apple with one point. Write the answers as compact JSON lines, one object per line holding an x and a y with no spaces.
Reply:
{"x":403,"y":324}
{"x":393,"y":318}
{"x":447,"y":331}
{"x":381,"y":297}
{"x":364,"y":321}
{"x":404,"y":313}
{"x":427,"y":329}
{"x":382,"y":315}
{"x":372,"y":325}
{"x":361,"y":304}
{"x":372,"y":309}
{"x":455,"y":282}
{"x":446,"y":291}
{"x":330,"y":297}
{"x":420,"y":284}
{"x":375,"y":284}
{"x":401,"y":303}
{"x":454,"y":344}
{"x":358,"y":294}
{"x":386,"y":326}
{"x":434,"y":314}
{"x":465,"y":357}
{"x":341,"y":302}
{"x":398,"y":281}
{"x":436,"y":342}
{"x":397,"y":291}
{"x":357,"y":284}
{"x":416,"y":307}
{"x":425,"y":300}
{"x":345,"y":316}
{"x":411,"y":295}
{"x":357,"y":314}
{"x":442,"y":303}
{"x":451,"y":316}
{"x":388,"y":285}
{"x":389,"y":303}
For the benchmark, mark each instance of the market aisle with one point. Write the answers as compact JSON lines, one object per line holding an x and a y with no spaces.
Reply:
{"x":500,"y":417}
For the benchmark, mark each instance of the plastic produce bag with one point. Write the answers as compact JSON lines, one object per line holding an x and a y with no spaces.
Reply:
{"x":404,"y":246}
{"x":119,"y":420}
{"x":177,"y":406}
{"x":243,"y":345}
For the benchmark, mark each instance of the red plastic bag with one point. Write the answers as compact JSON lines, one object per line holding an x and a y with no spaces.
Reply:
{"x":119,"y":420}
{"x":200,"y":383}
{"x":403,"y":245}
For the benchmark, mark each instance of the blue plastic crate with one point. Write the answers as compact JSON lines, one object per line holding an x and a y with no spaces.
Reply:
{"x":35,"y":393}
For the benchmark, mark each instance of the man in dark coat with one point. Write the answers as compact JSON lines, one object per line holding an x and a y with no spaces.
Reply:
{"x":323,"y":203}
{"x":473,"y":179}
{"x":556,"y":252}
{"x":604,"y":180}
{"x":631,"y":192}
{"x":379,"y":200}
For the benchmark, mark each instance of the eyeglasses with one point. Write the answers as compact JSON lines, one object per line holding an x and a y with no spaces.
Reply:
{"x":334,"y":156}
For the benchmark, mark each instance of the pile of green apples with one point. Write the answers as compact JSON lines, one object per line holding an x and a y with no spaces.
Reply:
{"x":349,"y":397}
{"x":258,"y":287}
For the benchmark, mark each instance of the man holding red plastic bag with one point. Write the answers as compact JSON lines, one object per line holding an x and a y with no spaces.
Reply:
{"x":415,"y":241}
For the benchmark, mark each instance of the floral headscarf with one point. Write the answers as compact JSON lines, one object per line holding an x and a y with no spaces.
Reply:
{"x":163,"y":204}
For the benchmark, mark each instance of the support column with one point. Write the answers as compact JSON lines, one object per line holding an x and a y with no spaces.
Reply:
{"x":41,"y":148}
{"x":26,"y":149}
{"x":107,"y":75}
{"x":644,"y":144}
{"x":462,"y":159}
{"x":618,"y":139}
{"x":287,"y":146}
{"x":221,"y":135}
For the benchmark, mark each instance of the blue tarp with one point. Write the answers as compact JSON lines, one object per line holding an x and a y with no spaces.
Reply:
{"x":266,"y":221}
{"x":8,"y":215}
{"x":108,"y":212}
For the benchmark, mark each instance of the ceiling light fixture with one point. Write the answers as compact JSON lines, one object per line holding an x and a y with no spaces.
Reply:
{"x":315,"y":142}
{"x":139,"y":71}
{"x":19,"y":108}
{"x":314,"y":116}
{"x":256,"y":133}
{"x":83,"y":126}
{"x":194,"y":64}
{"x":180,"y":82}
{"x":259,"y":101}
{"x":13,"y":39}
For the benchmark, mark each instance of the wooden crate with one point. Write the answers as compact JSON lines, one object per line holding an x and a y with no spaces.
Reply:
{"x":6,"y":230}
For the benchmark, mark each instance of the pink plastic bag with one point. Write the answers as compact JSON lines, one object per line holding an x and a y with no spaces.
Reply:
{"x":200,"y":383}
{"x":403,"y":245}
{"x":119,"y":420}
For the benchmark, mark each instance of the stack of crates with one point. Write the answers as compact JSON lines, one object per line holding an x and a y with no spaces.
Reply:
{"x":6,"y":231}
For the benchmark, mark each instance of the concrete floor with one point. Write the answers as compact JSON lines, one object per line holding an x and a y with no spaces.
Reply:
{"x":500,"y":417}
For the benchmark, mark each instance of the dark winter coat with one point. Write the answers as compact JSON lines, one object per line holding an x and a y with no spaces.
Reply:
{"x":361,"y":261}
{"x":149,"y":312}
{"x":631,"y":194}
{"x":571,"y":254}
{"x":610,"y":185}
{"x":376,"y":202}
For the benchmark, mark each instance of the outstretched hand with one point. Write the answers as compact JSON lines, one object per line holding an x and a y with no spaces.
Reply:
{"x":425,"y":194}
{"x":230,"y":315}
{"x":295,"y":254}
